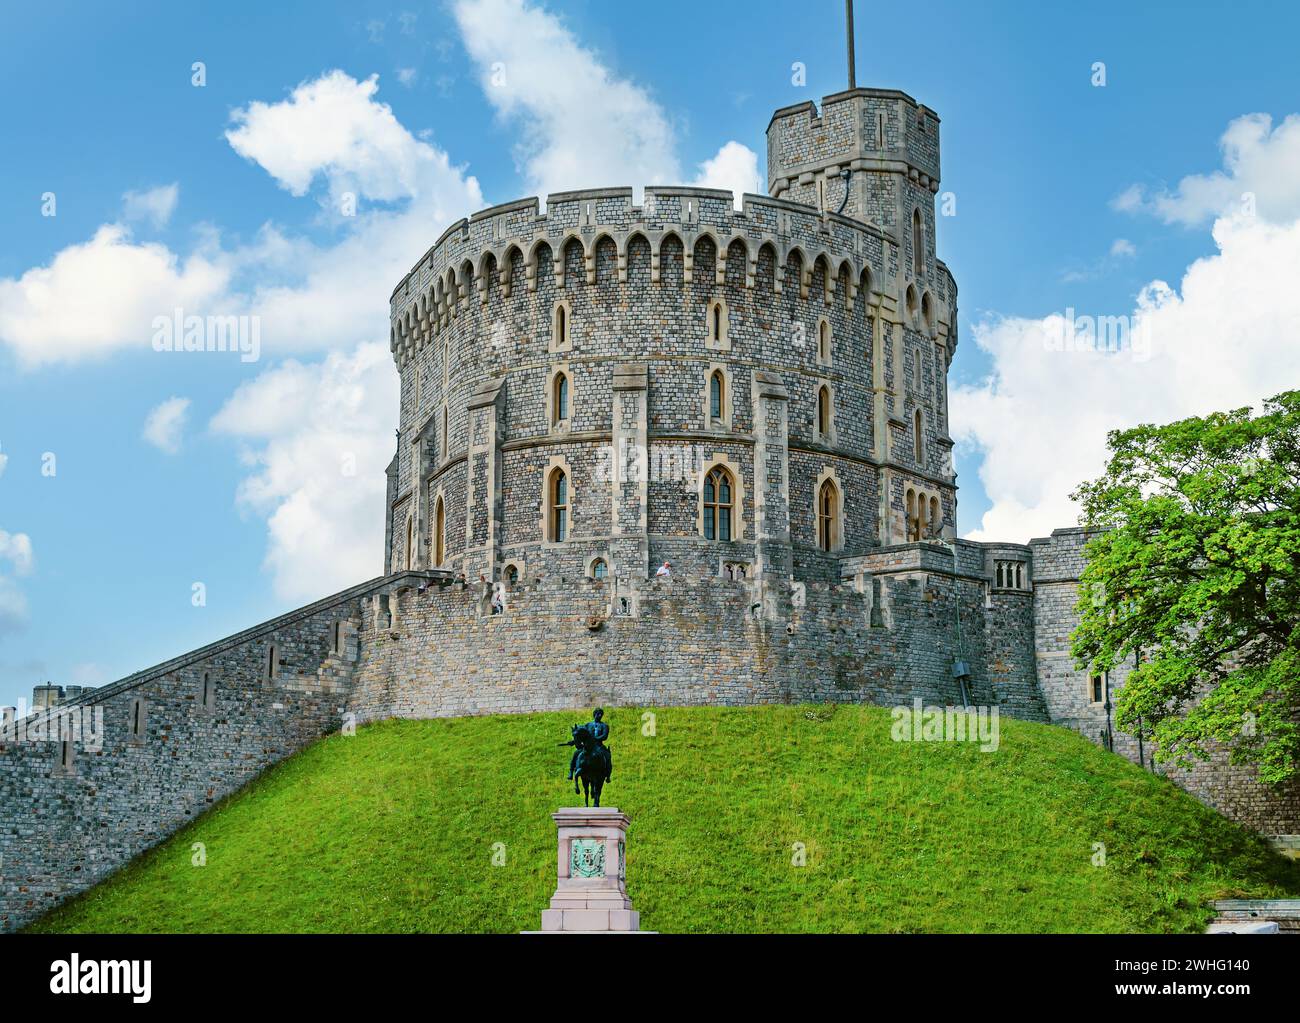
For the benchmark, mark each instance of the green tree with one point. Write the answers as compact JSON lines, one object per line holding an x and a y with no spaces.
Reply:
{"x":1196,"y":571}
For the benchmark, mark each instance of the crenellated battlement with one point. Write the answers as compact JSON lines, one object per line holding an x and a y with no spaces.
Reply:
{"x":880,"y":130}
{"x":481,"y":252}
{"x":686,"y":209}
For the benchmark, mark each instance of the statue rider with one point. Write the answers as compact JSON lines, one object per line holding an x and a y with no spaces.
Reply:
{"x":599,"y":732}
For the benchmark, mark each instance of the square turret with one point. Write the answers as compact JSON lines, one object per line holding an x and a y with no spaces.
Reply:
{"x":889,"y":143}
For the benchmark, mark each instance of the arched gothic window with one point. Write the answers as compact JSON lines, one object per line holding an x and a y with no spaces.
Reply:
{"x":827,"y":523}
{"x":560,"y":399}
{"x":918,"y":243}
{"x":560,"y":327}
{"x":558,"y":494}
{"x":824,"y":411}
{"x":718,"y":503}
{"x":717,"y":326}
{"x":717,"y":395}
{"x":439,"y":534}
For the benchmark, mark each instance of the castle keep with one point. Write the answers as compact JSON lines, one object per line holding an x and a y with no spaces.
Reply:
{"x":759,"y":392}
{"x":756,"y":394}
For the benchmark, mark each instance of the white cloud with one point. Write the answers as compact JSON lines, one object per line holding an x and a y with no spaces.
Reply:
{"x":1224,"y":339}
{"x":297,"y":422}
{"x":1122,"y":248}
{"x":336,"y":295}
{"x":16,"y":548}
{"x":407,"y":76}
{"x":1130,"y":200}
{"x":165,"y":425}
{"x":15,"y":561}
{"x":333,"y":127}
{"x":318,"y":438}
{"x":154,"y":206}
{"x":4,"y":462}
{"x":583,"y":126}
{"x":1261,"y":170}
{"x":100,"y":296}
{"x":735,"y":168}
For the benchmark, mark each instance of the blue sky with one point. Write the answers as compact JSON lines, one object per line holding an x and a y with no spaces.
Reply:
{"x":224,"y":198}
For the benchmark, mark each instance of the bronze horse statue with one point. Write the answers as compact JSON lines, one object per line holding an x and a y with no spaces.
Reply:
{"x":593,"y":766}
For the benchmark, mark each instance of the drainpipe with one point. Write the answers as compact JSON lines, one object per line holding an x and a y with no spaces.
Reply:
{"x":960,"y":669}
{"x":1110,"y":737}
{"x":847,"y":175}
{"x":1142,"y":762}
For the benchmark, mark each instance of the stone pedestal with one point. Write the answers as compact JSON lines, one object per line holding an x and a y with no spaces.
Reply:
{"x":590,"y":893}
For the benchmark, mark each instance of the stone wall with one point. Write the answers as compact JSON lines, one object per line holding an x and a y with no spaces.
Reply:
{"x":161,"y":746}
{"x":886,"y":635}
{"x":1234,"y":791}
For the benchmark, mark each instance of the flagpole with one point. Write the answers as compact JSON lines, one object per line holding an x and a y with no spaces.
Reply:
{"x":848,"y":14}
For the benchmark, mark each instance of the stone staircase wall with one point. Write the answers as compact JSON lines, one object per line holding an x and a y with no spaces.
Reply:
{"x":90,"y":785}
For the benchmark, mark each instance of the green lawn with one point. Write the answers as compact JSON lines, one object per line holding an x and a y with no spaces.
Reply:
{"x":394,"y":830}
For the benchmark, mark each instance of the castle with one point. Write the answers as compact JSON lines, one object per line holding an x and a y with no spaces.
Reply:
{"x":756,"y":396}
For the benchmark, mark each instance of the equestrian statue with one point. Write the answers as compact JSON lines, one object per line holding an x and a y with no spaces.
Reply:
{"x":591,"y":761}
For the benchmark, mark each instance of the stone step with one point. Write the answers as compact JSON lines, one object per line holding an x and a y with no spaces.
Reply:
{"x":1242,"y":927}
{"x":1255,"y":916}
{"x":1256,"y":908}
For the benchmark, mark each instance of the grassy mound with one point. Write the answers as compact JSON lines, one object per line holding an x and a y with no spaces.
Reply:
{"x":394,"y":829}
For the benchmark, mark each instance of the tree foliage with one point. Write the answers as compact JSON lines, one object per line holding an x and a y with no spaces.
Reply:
{"x":1195,"y":571}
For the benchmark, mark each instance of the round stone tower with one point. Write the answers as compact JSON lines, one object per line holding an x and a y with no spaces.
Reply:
{"x":753,"y":393}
